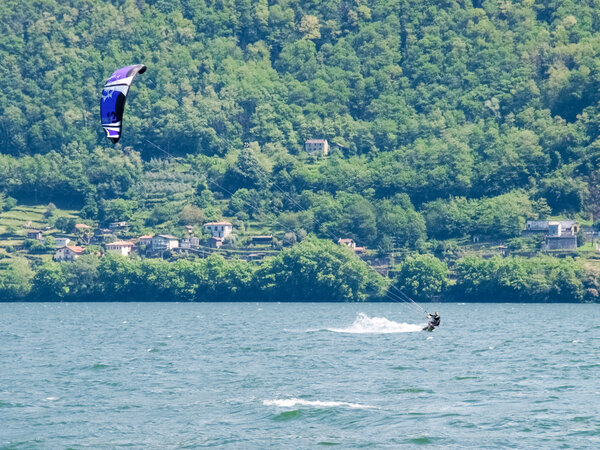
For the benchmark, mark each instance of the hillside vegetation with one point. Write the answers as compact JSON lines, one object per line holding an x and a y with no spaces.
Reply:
{"x":446,"y":119}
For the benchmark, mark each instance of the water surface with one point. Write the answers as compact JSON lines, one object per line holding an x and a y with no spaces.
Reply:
{"x":256,"y":375}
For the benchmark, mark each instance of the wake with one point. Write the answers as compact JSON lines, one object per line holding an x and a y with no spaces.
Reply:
{"x":376,"y":325}
{"x":290,"y":402}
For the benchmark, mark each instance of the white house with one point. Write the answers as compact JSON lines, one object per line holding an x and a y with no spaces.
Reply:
{"x":68,"y":253}
{"x":317,"y":146}
{"x":164,"y":242}
{"x":219,"y":229}
{"x":121,"y":247}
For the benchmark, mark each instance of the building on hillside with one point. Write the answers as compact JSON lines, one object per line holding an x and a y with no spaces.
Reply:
{"x":559,"y":238}
{"x":190,"y":229}
{"x":145,"y":240}
{"x":81,"y":227}
{"x":35,"y":234}
{"x":320,"y":146}
{"x":163,"y":242}
{"x":68,"y":253}
{"x":560,"y":234}
{"x":118,"y":226}
{"x":219,"y":229}
{"x":121,"y":247}
{"x":215,"y":242}
{"x":192,"y":242}
{"x":262,"y":240}
{"x":347,"y":242}
{"x":62,"y":241}
{"x":550,"y":227}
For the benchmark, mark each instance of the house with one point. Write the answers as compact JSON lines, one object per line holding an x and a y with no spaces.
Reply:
{"x":68,"y":253}
{"x":560,"y":234}
{"x":121,"y":247}
{"x":81,"y":227}
{"x":164,"y":242}
{"x":190,"y":229}
{"x":192,"y":242}
{"x":550,"y":226}
{"x":347,"y":242}
{"x":215,"y":242}
{"x":145,"y":240}
{"x":258,"y":240}
{"x":117,"y":225}
{"x":320,"y":146}
{"x":219,"y":229}
{"x":35,"y":234}
{"x":559,"y":238}
{"x":62,"y":242}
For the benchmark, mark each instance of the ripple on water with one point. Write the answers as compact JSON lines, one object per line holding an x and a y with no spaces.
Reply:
{"x":100,"y":366}
{"x":422,"y":440}
{"x":288,"y":415}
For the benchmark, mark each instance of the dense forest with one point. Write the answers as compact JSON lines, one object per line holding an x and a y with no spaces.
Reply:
{"x":446,"y":119}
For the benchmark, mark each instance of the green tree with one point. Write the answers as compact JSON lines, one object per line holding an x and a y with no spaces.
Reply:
{"x":317,"y":270}
{"x":422,"y":277}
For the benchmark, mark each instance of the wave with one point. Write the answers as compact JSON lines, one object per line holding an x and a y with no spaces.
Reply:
{"x":378,"y":325}
{"x":289,"y":402}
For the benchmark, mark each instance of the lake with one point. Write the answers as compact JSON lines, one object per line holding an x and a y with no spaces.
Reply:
{"x":257,"y":375}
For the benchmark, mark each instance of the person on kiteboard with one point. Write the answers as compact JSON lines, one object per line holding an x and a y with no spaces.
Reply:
{"x":434,"y":320}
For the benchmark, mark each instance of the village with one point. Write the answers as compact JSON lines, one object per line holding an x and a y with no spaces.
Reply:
{"x":559,"y":237}
{"x":227,"y":236}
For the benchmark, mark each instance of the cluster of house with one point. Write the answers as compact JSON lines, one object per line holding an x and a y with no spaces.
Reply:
{"x":559,"y":234}
{"x":153,"y":244}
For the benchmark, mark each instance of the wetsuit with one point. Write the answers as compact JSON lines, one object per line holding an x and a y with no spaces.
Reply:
{"x":435,"y":320}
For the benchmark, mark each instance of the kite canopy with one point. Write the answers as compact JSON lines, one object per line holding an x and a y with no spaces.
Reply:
{"x":114,"y":95}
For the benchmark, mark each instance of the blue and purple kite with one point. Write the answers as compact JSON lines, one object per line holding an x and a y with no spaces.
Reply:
{"x":114,"y":95}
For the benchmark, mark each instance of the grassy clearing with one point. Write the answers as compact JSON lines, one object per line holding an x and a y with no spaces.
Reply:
{"x":15,"y":224}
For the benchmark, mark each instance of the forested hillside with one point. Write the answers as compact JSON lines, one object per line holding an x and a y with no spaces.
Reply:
{"x":445,"y":118}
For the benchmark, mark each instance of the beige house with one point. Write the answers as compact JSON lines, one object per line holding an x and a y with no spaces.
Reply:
{"x":121,"y":247}
{"x":320,"y":146}
{"x":219,"y":229}
{"x":68,"y":253}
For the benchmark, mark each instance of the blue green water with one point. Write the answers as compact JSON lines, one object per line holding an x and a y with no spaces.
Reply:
{"x":298,"y":376}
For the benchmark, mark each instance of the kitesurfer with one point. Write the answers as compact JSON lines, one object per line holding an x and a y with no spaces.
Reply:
{"x":434,"y":320}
